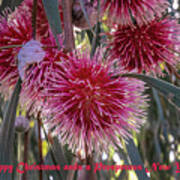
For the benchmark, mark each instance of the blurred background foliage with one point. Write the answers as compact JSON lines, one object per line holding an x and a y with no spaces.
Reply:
{"x":157,"y":142}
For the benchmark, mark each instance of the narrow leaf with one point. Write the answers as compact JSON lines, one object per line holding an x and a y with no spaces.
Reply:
{"x":1,"y":112}
{"x":166,"y":89}
{"x":70,"y":174}
{"x":52,"y":13}
{"x":57,"y":155}
{"x":123,"y":156}
{"x":135,"y":158}
{"x":85,"y":13}
{"x":96,"y":39}
{"x":9,"y":4}
{"x":7,"y":130}
{"x":48,"y":161}
{"x":161,"y":117}
{"x":159,"y":106}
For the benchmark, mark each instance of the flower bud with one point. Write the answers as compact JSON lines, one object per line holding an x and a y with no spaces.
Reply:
{"x":30,"y":53}
{"x":21,"y":124}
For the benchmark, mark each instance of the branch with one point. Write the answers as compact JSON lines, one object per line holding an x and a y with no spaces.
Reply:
{"x":68,"y":27}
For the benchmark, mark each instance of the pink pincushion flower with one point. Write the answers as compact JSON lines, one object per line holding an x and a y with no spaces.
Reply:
{"x":145,"y":47}
{"x":124,"y":11}
{"x":88,"y":108}
{"x":12,"y":32}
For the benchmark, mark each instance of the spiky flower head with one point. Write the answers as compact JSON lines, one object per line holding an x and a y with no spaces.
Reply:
{"x":13,"y":33}
{"x":88,"y":108}
{"x":125,"y":12}
{"x":145,"y":47}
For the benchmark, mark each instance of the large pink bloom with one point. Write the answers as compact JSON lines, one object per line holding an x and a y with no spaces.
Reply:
{"x":145,"y":47}
{"x":88,"y":108}
{"x":124,"y":11}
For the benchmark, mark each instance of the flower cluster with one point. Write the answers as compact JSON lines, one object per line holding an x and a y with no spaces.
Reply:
{"x":86,"y":100}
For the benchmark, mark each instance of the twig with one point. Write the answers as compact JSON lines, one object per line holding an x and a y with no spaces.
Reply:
{"x":11,"y":46}
{"x":26,"y":143}
{"x":26,"y":146}
{"x":34,"y":14}
{"x":68,"y":27}
{"x":19,"y":152}
{"x":173,"y":70}
{"x":21,"y":45}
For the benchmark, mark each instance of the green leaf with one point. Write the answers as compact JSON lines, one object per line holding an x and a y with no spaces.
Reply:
{"x":71,"y":174}
{"x":52,"y":13}
{"x":123,"y":156}
{"x":135,"y":158}
{"x":159,"y":106}
{"x":1,"y":112}
{"x":9,"y":4}
{"x":96,"y":39}
{"x":171,"y":92}
{"x":85,"y":13}
{"x":7,"y":131}
{"x":57,"y":156}
{"x":55,"y":174}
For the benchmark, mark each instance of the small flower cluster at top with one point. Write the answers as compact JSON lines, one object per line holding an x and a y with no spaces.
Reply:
{"x":82,"y":98}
